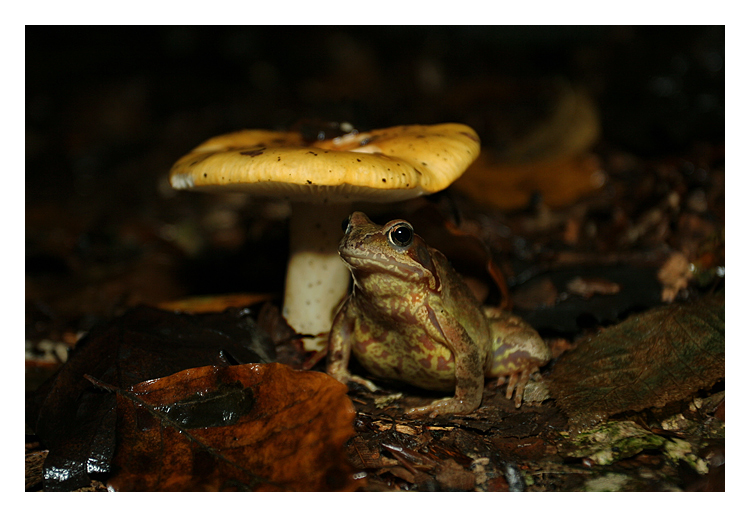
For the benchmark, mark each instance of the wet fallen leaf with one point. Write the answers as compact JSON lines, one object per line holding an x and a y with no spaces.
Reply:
{"x":76,"y":421}
{"x":245,"y":427}
{"x":651,"y":359}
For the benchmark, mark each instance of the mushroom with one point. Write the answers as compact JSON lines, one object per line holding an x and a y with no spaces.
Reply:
{"x":321,"y":179}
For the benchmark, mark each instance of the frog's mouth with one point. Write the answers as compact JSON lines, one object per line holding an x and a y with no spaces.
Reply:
{"x":383,"y":264}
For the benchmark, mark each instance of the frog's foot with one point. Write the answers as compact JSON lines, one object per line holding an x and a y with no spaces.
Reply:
{"x":516,"y":382}
{"x":446,"y":406}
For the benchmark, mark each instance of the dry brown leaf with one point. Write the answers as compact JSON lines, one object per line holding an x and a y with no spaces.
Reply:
{"x":650,"y":359}
{"x":245,"y":427}
{"x":76,"y":421}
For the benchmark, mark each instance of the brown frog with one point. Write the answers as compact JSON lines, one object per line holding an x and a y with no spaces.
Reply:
{"x":410,"y":317}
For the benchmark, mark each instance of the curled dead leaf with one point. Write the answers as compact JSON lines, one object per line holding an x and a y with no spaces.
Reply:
{"x":245,"y":427}
{"x":76,"y":421}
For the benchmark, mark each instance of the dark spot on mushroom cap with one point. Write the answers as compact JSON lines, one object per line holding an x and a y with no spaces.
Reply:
{"x":314,"y":154}
{"x":309,"y":182}
{"x":383,"y":180}
{"x":359,"y":160}
{"x":255,"y":152}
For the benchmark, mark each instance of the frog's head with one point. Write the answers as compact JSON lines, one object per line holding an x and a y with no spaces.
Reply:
{"x":392,"y":250}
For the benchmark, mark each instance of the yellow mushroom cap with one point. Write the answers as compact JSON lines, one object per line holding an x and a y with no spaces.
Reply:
{"x":390,"y":164}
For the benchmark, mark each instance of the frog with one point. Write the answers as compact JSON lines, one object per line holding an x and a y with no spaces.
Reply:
{"x":410,"y":317}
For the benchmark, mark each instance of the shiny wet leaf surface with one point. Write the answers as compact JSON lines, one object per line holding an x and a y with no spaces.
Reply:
{"x":255,"y":427}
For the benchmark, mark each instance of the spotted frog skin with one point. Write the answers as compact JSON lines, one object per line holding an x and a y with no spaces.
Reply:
{"x":410,"y":317}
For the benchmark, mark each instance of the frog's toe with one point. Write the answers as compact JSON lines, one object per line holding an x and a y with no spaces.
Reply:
{"x":512,"y":383}
{"x":517,"y":382}
{"x":446,"y":406}
{"x":345,"y":377}
{"x":364,"y":382}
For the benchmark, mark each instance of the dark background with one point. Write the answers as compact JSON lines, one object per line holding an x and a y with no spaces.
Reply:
{"x":99,"y":96}
{"x":110,"y":109}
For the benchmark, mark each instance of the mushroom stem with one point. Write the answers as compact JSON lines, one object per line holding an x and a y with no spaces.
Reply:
{"x":317,"y":279}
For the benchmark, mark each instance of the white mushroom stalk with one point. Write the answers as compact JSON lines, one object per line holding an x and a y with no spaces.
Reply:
{"x":316,"y":278}
{"x":322,"y":179}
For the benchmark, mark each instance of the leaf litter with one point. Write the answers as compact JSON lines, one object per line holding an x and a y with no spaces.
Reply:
{"x":209,"y":365}
{"x":244,"y":427}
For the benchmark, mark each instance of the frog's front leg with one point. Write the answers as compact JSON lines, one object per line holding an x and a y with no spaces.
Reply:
{"x":469,"y":364}
{"x":340,"y":349}
{"x":517,"y":351}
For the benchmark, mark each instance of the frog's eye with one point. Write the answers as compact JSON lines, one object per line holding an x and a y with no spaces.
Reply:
{"x":401,"y":235}
{"x":345,"y":223}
